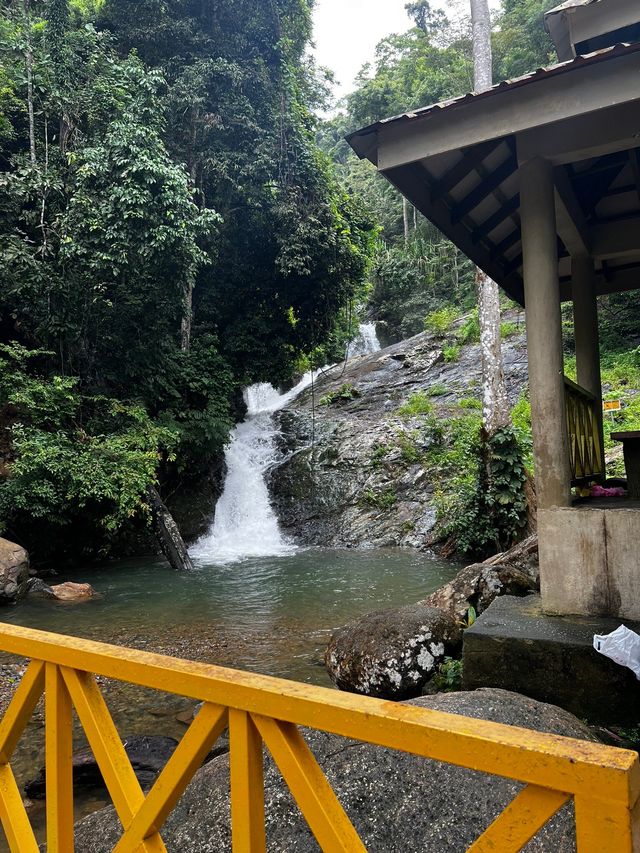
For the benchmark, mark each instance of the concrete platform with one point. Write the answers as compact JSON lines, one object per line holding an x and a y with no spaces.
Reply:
{"x":514,"y":645}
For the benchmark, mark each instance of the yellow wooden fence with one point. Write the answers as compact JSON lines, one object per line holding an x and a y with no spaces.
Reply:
{"x":603,"y":782}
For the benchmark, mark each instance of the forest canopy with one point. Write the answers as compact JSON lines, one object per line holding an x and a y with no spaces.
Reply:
{"x":169,"y":232}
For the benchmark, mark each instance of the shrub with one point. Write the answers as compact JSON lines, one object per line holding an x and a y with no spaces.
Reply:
{"x":470,"y":403}
{"x":381,"y":500}
{"x":469,"y":331}
{"x":508,"y":329}
{"x":490,"y":516}
{"x":449,"y":676}
{"x":345,"y":392}
{"x":408,"y":449}
{"x":417,"y":404}
{"x":451,"y":353}
{"x":437,"y":390}
{"x":439,"y":322}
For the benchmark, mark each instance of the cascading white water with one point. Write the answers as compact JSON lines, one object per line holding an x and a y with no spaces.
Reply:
{"x":365,"y":342}
{"x":245,"y":524}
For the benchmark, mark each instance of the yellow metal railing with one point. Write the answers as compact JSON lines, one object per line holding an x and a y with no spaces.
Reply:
{"x":583,"y":427}
{"x":603,"y":782}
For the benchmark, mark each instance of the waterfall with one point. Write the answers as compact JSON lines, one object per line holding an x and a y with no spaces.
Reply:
{"x":365,"y":342}
{"x":245,"y":524}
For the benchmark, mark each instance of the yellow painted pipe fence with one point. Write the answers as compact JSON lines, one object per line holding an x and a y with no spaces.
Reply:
{"x":603,"y":782}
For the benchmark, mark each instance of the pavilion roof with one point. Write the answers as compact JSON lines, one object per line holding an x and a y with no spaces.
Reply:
{"x":457,"y":162}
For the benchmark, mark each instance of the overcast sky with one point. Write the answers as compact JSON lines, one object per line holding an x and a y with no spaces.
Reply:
{"x":346,"y":32}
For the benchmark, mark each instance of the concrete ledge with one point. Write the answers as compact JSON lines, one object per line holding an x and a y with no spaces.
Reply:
{"x":515,"y":646}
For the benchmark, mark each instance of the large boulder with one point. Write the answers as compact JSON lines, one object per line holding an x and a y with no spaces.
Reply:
{"x":392,"y":653}
{"x":514,"y":572}
{"x":396,"y":801}
{"x":14,"y":571}
{"x":477,"y":586}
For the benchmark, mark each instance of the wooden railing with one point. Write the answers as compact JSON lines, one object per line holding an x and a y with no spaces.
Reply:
{"x":583,"y":426}
{"x":603,"y":782}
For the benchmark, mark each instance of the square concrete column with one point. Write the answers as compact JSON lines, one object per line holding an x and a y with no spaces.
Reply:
{"x":544,"y":334}
{"x":587,"y":336}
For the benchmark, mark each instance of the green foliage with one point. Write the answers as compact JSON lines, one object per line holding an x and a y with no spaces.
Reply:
{"x":172,"y":234}
{"x":379,"y":454}
{"x":417,"y":404}
{"x":490,"y":515}
{"x":379,"y":500}
{"x":451,"y":353}
{"x":520,"y":43}
{"x":439,"y":322}
{"x":470,"y":403}
{"x":469,"y":331}
{"x":437,"y":390}
{"x":508,"y":329}
{"x":341,"y":395}
{"x":408,"y":449}
{"x":448,"y":679}
{"x":73,"y":457}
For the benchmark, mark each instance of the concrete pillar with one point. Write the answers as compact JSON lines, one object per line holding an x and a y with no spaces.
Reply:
{"x":587,"y":337}
{"x":544,"y":334}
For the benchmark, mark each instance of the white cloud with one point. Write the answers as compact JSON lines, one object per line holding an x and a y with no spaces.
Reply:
{"x":346,"y":32}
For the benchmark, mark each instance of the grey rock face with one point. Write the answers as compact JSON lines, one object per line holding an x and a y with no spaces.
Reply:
{"x":397,"y":802}
{"x":353,"y":471}
{"x":14,"y":572}
{"x":392,"y":653}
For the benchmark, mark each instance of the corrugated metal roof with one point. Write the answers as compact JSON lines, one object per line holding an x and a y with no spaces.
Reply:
{"x":570,"y":4}
{"x":507,"y":85}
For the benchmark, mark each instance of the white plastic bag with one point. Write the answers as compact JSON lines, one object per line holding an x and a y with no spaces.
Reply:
{"x":622,"y":646}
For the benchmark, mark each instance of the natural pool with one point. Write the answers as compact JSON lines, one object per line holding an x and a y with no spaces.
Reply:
{"x":272,"y":615}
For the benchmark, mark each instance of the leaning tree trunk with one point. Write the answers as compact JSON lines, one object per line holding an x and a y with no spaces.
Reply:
{"x":495,"y":404}
{"x":29,"y":67}
{"x":167,"y":534}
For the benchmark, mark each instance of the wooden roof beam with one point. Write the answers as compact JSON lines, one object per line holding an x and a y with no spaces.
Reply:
{"x":483,"y":190}
{"x":617,"y":239}
{"x":570,"y":219}
{"x":634,"y":157}
{"x":621,"y":281}
{"x":503,"y":212}
{"x":468,"y":163}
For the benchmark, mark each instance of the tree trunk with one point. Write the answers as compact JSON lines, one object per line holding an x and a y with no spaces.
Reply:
{"x":185,"y":329}
{"x":405,"y":218}
{"x":495,"y":404}
{"x":482,"y":59}
{"x":29,"y":65}
{"x":168,"y":535}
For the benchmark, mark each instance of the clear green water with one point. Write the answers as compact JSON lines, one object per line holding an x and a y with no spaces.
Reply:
{"x":272,"y":615}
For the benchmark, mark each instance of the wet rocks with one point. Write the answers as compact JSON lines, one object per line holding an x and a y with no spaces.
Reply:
{"x":392,"y":653}
{"x":396,"y":801}
{"x":478,"y":585}
{"x":70,"y":591}
{"x":148,"y":754}
{"x":354,"y":471}
{"x":14,"y":572}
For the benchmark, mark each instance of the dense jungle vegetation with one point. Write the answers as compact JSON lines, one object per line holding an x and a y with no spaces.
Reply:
{"x":169,"y":232}
{"x":176,"y":222}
